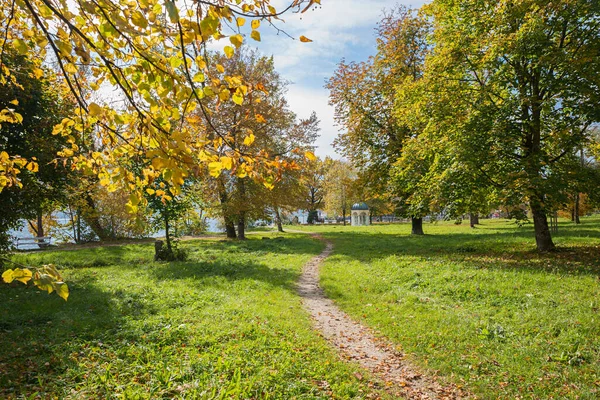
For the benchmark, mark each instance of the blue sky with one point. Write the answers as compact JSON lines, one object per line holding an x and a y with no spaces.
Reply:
{"x":339,"y":29}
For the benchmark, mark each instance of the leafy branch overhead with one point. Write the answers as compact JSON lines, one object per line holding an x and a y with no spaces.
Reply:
{"x":45,"y":278}
{"x":153,"y":54}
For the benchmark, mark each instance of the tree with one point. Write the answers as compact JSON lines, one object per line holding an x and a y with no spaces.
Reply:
{"x":42,"y":184}
{"x":153,"y":53}
{"x":267,"y":122}
{"x":364,"y":96}
{"x":340,"y":188}
{"x":515,"y":84}
{"x":313,"y":178}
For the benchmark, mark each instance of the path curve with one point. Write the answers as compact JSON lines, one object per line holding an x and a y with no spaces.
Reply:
{"x":358,"y":343}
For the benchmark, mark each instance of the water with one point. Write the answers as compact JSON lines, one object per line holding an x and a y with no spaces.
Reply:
{"x":23,"y":231}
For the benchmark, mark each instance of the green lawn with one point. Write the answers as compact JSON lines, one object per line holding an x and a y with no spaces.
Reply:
{"x":225,"y":324}
{"x":480,"y":306}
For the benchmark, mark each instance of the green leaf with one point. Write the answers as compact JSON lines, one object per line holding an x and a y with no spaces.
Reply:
{"x":173,"y":11}
{"x":21,"y":46}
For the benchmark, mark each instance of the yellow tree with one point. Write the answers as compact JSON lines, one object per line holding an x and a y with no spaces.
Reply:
{"x":154,"y":53}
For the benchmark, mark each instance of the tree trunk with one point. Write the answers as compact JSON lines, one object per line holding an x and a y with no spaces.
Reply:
{"x":241,"y":233}
{"x":474,"y":219}
{"x":344,"y":215}
{"x":40,"y":225}
{"x":417,"y":226}
{"x":543,"y":238}
{"x":229,"y":223}
{"x":78,"y":237}
{"x":168,"y":234}
{"x":576,"y":209}
{"x":230,"y":229}
{"x":91,"y":218}
{"x":278,"y":220}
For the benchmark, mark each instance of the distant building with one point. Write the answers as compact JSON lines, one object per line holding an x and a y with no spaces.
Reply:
{"x":360,"y":214}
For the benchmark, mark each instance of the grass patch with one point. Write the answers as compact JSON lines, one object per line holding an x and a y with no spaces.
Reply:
{"x":225,"y":324}
{"x":480,"y":306}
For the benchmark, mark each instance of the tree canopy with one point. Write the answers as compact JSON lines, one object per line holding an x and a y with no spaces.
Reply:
{"x":155,"y":54}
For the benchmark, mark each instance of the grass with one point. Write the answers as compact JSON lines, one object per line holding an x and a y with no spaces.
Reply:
{"x":479,"y":306}
{"x":225,"y":324}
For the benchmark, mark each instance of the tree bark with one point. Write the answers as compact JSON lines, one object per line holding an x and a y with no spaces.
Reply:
{"x":241,"y":233}
{"x":230,"y":229}
{"x":229,"y":223}
{"x":576,"y":209}
{"x":168,"y":234}
{"x":91,"y":218}
{"x":278,"y":220}
{"x":543,"y":238}
{"x":417,"y":226}
{"x":40,"y":225}
{"x":474,"y":219}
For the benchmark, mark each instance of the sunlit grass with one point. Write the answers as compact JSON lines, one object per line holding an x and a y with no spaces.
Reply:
{"x":225,"y":324}
{"x":479,"y":306}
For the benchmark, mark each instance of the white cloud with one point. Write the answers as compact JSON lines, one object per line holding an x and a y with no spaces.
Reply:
{"x":303,"y":101}
{"x":339,"y":29}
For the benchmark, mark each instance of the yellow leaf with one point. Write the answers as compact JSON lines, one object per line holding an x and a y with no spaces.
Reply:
{"x":220,"y":68}
{"x":14,"y":102}
{"x":224,"y":94}
{"x":260,"y":118}
{"x":33,"y":167}
{"x":304,"y":39}
{"x":150,"y":191}
{"x":22,"y":275}
{"x":227,"y":162}
{"x":255,"y":24}
{"x":255,"y":35}
{"x":94,"y":109}
{"x":236,"y":40}
{"x":240,"y":21}
{"x":62,"y":290}
{"x":38,"y":73}
{"x":310,"y":155}
{"x":248,"y":140}
{"x":138,"y":19}
{"x":214,"y":168}
{"x":238,"y":98}
{"x":229,"y":51}
{"x":199,"y":77}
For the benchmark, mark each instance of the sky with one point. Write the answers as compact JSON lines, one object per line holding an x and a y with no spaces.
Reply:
{"x":339,"y":29}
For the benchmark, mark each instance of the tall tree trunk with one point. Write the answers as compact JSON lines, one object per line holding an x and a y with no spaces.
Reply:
{"x":168,"y":234}
{"x":229,"y":222}
{"x":91,"y":218}
{"x":474,"y":219}
{"x":241,"y":186}
{"x":40,"y":224}
{"x":576,"y":209}
{"x":417,"y":226}
{"x":543,"y":238}
{"x":241,"y":233}
{"x":344,"y":215}
{"x":278,"y":220}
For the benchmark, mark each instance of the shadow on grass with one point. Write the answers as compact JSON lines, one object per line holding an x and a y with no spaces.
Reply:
{"x":206,"y":271}
{"x":513,"y":249}
{"x":41,"y":335}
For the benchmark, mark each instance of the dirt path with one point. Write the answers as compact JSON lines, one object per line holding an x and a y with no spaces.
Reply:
{"x":358,"y":343}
